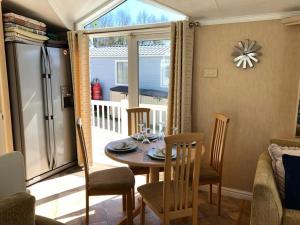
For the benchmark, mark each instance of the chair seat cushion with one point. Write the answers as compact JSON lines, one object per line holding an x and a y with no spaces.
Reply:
{"x":208,"y":174}
{"x":153,"y":194}
{"x":111,"y":181}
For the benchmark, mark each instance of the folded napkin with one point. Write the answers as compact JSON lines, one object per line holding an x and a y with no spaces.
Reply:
{"x":160,"y":152}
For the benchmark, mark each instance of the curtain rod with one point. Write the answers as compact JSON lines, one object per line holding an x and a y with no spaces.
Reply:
{"x":126,"y":29}
{"x":133,"y":28}
{"x":194,"y":24}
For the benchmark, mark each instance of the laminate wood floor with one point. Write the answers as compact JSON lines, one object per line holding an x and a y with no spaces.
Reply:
{"x":62,"y":197}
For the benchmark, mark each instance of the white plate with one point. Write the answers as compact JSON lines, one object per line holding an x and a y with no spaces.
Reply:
{"x":122,"y":146}
{"x":151,"y":137}
{"x":152,"y":153}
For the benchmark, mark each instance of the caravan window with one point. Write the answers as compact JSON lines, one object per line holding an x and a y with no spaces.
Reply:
{"x":122,"y":72}
{"x":164,"y":72}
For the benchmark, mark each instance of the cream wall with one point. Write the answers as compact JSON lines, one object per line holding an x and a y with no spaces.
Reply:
{"x":260,"y":102}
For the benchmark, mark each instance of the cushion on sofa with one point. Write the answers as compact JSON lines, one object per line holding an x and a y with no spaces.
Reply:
{"x":292,"y":181}
{"x":17,"y":209}
{"x":291,"y":217}
{"x":276,"y":153}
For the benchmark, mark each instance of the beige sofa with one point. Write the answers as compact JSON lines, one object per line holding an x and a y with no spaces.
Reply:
{"x":267,"y":208}
{"x":19,"y":209}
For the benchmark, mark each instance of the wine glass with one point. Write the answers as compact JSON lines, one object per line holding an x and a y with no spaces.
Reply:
{"x":146,"y":140}
{"x":175,"y":130}
{"x":162,"y":131}
{"x":141,"y":127}
{"x":140,"y":135}
{"x":146,"y":132}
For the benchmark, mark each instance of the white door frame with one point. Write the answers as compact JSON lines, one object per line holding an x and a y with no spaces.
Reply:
{"x":133,"y":37}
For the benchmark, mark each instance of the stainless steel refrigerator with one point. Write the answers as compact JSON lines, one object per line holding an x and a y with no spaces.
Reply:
{"x":41,"y":98}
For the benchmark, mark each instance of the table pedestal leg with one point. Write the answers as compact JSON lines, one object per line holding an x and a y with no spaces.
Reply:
{"x":154,"y":174}
{"x":135,"y":212}
{"x":154,"y":177}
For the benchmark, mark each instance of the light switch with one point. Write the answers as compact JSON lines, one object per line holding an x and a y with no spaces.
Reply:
{"x":210,"y":73}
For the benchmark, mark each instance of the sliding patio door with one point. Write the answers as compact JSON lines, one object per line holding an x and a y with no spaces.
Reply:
{"x":133,"y":71}
{"x":109,"y":84}
{"x":153,"y":76}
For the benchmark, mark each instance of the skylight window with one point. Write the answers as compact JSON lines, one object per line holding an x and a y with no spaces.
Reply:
{"x":135,"y":12}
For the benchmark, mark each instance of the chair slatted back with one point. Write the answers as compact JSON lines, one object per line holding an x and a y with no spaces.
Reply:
{"x":83,"y":150}
{"x":218,"y":142}
{"x":137,"y":116}
{"x":187,"y":164}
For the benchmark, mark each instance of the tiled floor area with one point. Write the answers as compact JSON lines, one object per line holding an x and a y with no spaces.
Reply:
{"x":62,"y":198}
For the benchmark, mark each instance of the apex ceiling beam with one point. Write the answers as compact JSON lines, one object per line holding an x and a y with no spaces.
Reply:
{"x":58,"y":9}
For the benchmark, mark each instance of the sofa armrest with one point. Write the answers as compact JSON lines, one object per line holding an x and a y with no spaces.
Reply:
{"x":266,"y":206}
{"x":17,"y":209}
{"x":40,"y":220}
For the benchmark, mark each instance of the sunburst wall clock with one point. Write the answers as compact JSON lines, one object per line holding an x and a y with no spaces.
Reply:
{"x":246,"y":54}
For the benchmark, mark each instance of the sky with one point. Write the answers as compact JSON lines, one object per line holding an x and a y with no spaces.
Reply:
{"x":134,"y":6}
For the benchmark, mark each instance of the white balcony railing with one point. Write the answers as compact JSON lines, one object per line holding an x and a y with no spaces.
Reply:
{"x":112,"y":116}
{"x":158,"y":116}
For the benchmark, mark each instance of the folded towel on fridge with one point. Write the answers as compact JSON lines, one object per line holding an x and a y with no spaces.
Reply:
{"x":32,"y":30}
{"x":12,"y":31}
{"x":24,"y":21}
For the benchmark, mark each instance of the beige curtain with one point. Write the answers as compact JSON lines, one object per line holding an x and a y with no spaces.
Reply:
{"x":79,"y":53}
{"x":181,"y":70}
{"x":6,"y":140}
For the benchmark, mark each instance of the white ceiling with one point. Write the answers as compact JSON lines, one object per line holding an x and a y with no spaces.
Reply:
{"x":56,"y":13}
{"x":212,"y":9}
{"x":64,"y":13}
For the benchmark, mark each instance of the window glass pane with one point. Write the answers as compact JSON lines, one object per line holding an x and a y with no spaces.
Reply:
{"x":108,"y":57}
{"x":165,"y":70}
{"x":154,"y":64}
{"x":109,"y":66}
{"x":122,"y":73}
{"x":135,"y":12}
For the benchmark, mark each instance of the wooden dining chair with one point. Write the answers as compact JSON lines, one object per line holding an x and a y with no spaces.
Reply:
{"x":176,"y":196}
{"x":115,"y":181}
{"x":213,"y":173}
{"x":138,"y":116}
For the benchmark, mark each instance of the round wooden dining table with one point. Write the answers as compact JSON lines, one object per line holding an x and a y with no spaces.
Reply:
{"x":139,"y":157}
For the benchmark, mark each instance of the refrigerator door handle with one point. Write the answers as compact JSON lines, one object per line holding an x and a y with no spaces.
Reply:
{"x":50,"y":106}
{"x":45,"y":103}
